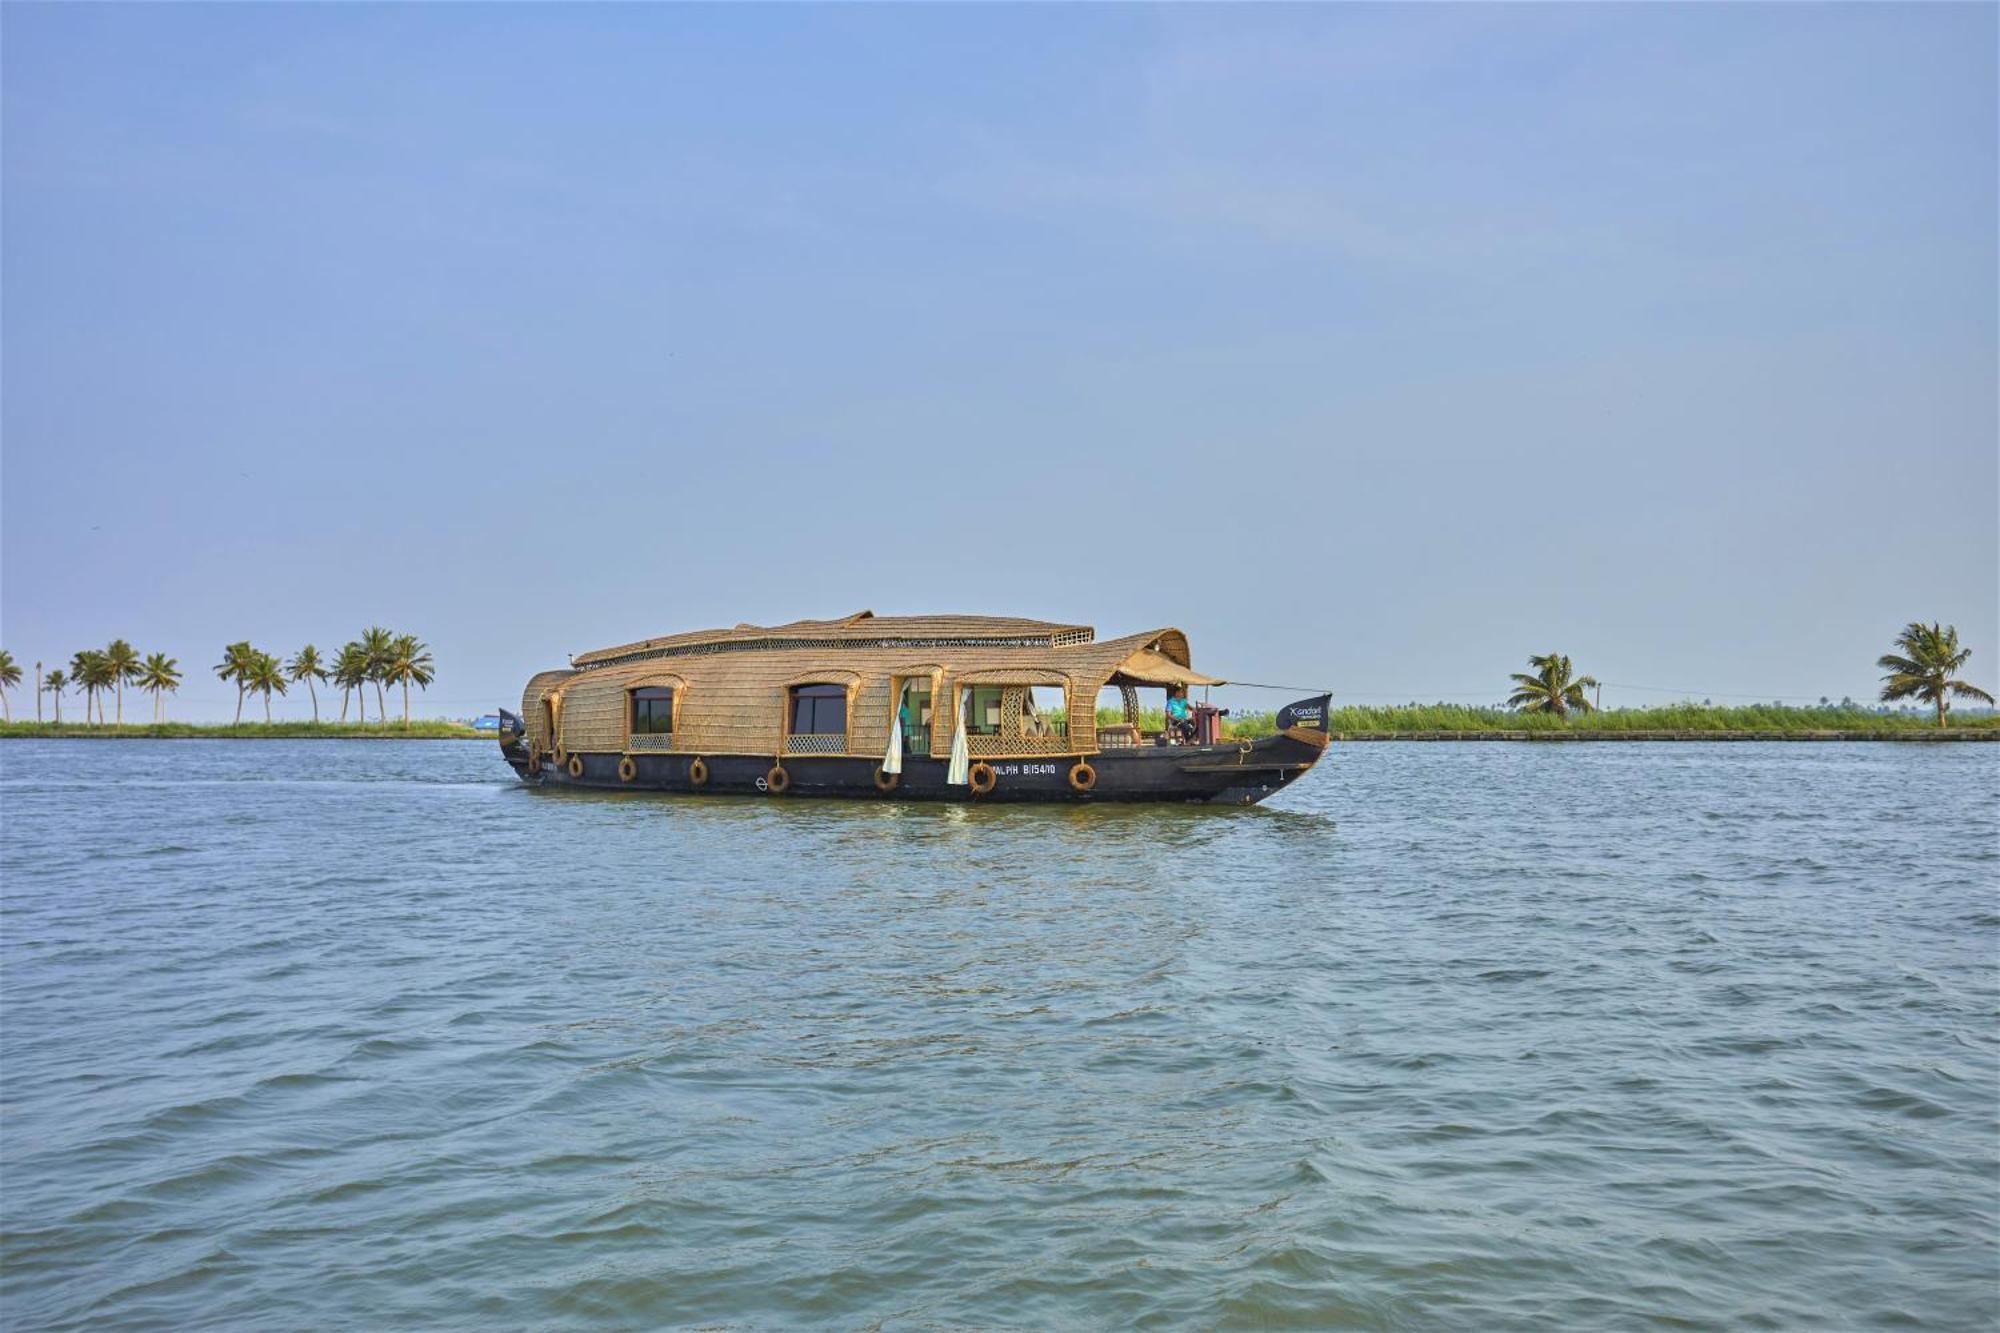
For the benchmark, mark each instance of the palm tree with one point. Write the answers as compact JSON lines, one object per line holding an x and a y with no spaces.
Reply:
{"x":1551,"y":689}
{"x":379,"y":645}
{"x":265,"y":674}
{"x":159,"y":673}
{"x":410,"y":663}
{"x":92,"y":670}
{"x":54,"y":683}
{"x":307,"y":667}
{"x":77,"y":666}
{"x":10,"y":676}
{"x":1930,"y":658}
{"x":235,"y":665}
{"x":123,"y":659}
{"x":350,"y":672}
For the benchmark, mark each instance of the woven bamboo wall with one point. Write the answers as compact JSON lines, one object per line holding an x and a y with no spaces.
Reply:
{"x":735,"y":702}
{"x":533,"y":715}
{"x":593,"y":720}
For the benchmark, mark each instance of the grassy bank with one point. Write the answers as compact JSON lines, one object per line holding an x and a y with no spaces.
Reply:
{"x":427,"y":731}
{"x":1678,"y":719}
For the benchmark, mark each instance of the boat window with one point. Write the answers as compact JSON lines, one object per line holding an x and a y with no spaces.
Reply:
{"x":1015,"y":719}
{"x":1045,"y":711}
{"x":819,"y":710}
{"x":913,"y":712}
{"x":653,"y":712}
{"x":982,"y":717}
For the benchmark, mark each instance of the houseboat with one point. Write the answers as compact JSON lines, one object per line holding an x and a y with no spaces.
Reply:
{"x":954,"y":708}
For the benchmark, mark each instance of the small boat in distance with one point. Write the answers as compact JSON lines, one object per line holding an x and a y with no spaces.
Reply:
{"x":953,"y":708}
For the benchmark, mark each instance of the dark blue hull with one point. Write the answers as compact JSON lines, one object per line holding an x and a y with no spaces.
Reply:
{"x":1236,"y":773}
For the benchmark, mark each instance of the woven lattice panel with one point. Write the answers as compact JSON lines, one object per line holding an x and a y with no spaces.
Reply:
{"x":826,"y":744}
{"x":649,"y":741}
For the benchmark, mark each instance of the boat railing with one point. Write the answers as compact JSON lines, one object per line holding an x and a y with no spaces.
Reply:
{"x":1021,"y":736}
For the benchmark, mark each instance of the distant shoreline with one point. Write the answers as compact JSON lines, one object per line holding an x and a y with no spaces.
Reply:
{"x":1669,"y":722}
{"x":245,"y":731}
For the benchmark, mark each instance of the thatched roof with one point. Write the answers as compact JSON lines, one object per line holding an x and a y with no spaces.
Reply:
{"x":1147,"y":667}
{"x":863,"y":628}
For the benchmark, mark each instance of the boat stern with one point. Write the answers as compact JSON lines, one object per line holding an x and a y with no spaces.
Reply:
{"x":514,"y":748}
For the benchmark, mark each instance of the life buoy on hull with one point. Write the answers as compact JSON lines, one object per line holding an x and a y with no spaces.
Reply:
{"x":777,"y":780}
{"x":575,"y":765}
{"x":627,"y":770}
{"x":698,"y":773}
{"x":1082,"y":777}
{"x":885,"y":781}
{"x":983,"y":778}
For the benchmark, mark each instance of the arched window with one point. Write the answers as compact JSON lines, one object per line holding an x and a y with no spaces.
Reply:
{"x":653,"y":711}
{"x":816,"y":719}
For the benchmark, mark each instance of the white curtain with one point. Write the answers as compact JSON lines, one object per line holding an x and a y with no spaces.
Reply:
{"x":892,"y":760}
{"x":960,"y":772}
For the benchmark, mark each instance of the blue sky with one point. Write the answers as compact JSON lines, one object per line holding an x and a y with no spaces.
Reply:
{"x":1377,"y":347}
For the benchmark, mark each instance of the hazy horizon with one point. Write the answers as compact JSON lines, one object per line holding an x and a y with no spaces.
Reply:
{"x":1377,"y":348}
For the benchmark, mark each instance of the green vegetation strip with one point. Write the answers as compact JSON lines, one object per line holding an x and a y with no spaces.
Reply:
{"x":274,"y":731}
{"x":1672,"y":722}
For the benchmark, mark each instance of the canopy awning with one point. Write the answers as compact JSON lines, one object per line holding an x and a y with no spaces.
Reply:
{"x":1147,"y":667}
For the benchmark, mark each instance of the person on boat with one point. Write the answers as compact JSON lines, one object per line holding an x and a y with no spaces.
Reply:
{"x":1180,"y":717}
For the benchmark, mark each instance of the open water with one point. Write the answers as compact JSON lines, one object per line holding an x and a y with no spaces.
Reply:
{"x":348,"y":1035}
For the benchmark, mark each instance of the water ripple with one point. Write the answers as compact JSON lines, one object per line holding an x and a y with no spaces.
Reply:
{"x":323,"y":1035}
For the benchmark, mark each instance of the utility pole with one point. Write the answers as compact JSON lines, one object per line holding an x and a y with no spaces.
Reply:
{"x":38,"y":691}
{"x":1600,"y":696}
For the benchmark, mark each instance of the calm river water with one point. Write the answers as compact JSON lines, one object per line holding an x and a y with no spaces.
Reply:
{"x":351,"y":1035}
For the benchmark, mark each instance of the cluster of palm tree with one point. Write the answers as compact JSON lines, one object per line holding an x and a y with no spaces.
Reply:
{"x":381,"y":658}
{"x":378,"y":657}
{"x":1926,"y":669}
{"x":100,"y":672}
{"x":254,"y":671}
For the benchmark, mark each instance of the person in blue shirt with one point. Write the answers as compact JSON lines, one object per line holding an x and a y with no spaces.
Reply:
{"x":1180,"y":718}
